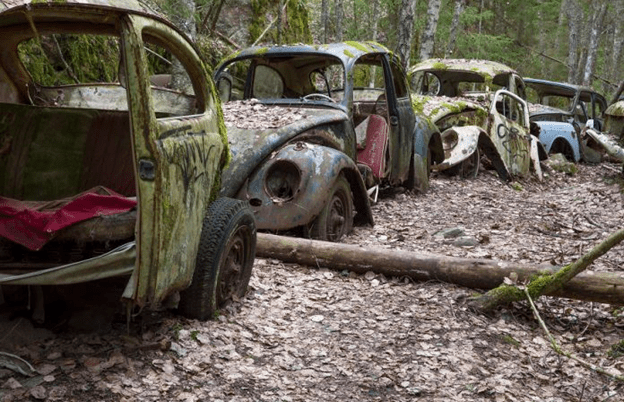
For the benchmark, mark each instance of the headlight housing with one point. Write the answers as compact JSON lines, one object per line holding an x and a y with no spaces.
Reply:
{"x":282,"y":180}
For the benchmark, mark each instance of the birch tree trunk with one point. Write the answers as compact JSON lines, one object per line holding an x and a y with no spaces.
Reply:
{"x":280,"y":22}
{"x":428,"y":37}
{"x":459,"y":8}
{"x":618,"y":39}
{"x":600,"y":8}
{"x":406,"y":31}
{"x":339,"y":17}
{"x":325,"y":21}
{"x":184,"y":18}
{"x":574,"y":15}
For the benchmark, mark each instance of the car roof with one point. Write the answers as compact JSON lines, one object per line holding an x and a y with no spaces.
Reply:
{"x":483,"y":67}
{"x":20,"y":11}
{"x":346,"y":51}
{"x":556,"y":87}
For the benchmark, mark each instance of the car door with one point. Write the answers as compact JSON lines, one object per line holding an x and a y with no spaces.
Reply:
{"x":509,"y":131}
{"x":178,"y":151}
{"x":402,"y":121}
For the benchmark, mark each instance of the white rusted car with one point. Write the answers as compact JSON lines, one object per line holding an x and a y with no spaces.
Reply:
{"x":479,"y":107}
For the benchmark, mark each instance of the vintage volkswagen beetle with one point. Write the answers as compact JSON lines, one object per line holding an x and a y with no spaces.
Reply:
{"x":479,"y":108}
{"x":315,"y":129}
{"x":104,"y":174}
{"x":561,"y":111}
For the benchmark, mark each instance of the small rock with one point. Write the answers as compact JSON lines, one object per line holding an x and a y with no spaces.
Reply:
{"x":450,"y":232}
{"x":466,"y":241}
{"x":317,"y":318}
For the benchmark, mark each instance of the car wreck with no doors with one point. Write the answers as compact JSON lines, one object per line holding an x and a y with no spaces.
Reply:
{"x":479,"y":107}
{"x":315,"y":130}
{"x":107,"y":174}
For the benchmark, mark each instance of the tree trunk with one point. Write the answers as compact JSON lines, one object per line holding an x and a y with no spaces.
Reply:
{"x":618,"y":40}
{"x":459,"y":8}
{"x":339,"y":17}
{"x":600,"y":8}
{"x":405,"y":31}
{"x":280,"y":22}
{"x":618,"y":92}
{"x":469,"y":272}
{"x":428,"y":36}
{"x":574,"y":16}
{"x":184,"y":18}
{"x":325,"y":20}
{"x":557,"y":44}
{"x":547,"y":284}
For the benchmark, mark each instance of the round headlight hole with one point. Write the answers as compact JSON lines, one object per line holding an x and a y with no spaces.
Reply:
{"x":282,"y":180}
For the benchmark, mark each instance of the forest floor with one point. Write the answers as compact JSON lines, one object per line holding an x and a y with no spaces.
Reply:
{"x":314,"y":334}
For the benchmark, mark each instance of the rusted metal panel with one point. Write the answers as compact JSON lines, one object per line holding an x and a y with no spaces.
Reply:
{"x":117,"y":262}
{"x":463,"y":102}
{"x":607,"y":143}
{"x":172,"y":164}
{"x":315,"y":168}
{"x":177,"y":158}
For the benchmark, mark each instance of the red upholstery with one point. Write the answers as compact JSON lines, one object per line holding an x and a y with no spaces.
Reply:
{"x":374,"y":154}
{"x":34,"y":223}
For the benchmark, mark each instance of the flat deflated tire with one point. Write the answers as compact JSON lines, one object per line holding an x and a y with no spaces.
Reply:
{"x":225,"y":257}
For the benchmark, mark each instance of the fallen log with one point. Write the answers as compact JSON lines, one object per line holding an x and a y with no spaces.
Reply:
{"x":473,"y":273}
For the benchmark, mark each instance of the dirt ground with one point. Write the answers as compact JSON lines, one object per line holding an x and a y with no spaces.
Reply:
{"x":314,"y":334}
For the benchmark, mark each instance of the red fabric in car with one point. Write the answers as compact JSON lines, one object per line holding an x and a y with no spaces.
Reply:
{"x":374,"y":155}
{"x":34,"y":223}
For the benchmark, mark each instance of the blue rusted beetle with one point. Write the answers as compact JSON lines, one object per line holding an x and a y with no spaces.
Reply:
{"x":315,"y":130}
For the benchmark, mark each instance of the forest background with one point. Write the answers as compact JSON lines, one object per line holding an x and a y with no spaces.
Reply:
{"x":576,"y":41}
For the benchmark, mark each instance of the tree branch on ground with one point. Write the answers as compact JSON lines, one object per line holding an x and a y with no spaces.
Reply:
{"x":558,"y":349}
{"x":544,"y":284}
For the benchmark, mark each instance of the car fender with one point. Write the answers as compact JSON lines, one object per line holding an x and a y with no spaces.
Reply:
{"x":318,"y":168}
{"x":608,"y":144}
{"x":550,"y":131}
{"x":427,"y":138}
{"x":467,"y":143}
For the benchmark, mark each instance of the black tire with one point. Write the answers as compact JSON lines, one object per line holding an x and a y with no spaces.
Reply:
{"x":227,"y":248}
{"x":336,"y":217}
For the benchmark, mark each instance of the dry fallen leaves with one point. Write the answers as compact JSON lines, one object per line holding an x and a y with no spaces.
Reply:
{"x":312,"y":334}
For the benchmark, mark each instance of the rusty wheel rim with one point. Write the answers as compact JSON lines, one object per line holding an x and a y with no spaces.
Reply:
{"x":233,"y":268}
{"x":336,"y":221}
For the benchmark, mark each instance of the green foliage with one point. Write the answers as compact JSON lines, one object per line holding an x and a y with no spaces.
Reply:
{"x":616,"y":350}
{"x":295,"y":28}
{"x":67,"y":59}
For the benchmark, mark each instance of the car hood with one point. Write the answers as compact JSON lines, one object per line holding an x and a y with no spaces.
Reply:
{"x":537,"y":108}
{"x":255,"y":131}
{"x":437,"y":107}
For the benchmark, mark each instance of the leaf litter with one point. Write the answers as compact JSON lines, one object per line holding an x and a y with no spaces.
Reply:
{"x":313,"y":334}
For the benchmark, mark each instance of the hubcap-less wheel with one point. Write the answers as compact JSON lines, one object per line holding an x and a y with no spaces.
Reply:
{"x":469,"y":168}
{"x":233,"y":268}
{"x":336,"y":218}
{"x":227,"y":247}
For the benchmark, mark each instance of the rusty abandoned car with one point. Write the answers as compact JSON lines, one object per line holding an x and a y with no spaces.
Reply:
{"x":479,"y":107}
{"x":107,"y":175}
{"x":315,"y":129}
{"x":561,"y":111}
